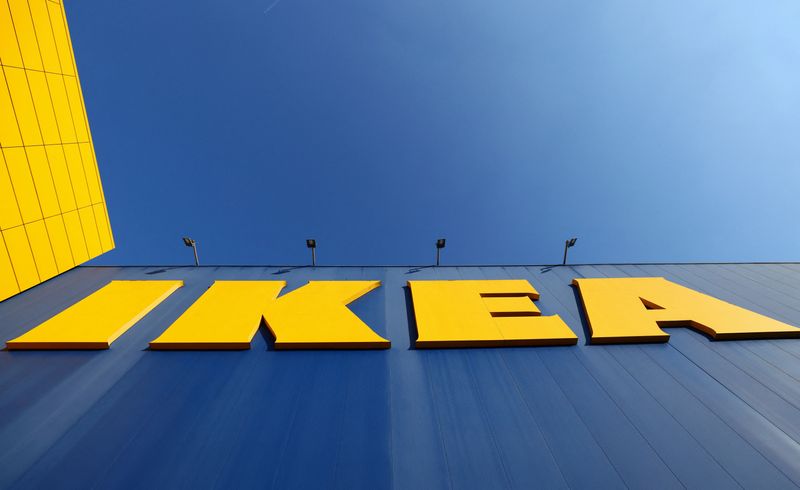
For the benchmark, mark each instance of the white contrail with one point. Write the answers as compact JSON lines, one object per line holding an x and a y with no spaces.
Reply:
{"x":272,"y":6}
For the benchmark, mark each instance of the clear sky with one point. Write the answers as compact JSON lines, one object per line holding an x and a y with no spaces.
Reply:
{"x":653,"y":131}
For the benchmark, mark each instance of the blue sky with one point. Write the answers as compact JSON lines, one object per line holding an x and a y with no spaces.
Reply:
{"x":653,"y":131}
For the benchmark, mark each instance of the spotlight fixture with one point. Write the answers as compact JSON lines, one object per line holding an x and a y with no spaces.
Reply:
{"x":567,"y":245}
{"x":439,"y":246}
{"x":191,"y":243}
{"x":312,"y":244}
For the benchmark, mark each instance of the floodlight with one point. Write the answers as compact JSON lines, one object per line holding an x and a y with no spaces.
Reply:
{"x":567,"y":245}
{"x":439,"y":245}
{"x":191,"y":243}
{"x":312,"y":244}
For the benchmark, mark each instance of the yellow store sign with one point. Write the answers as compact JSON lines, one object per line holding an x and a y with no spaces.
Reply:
{"x":482,"y":313}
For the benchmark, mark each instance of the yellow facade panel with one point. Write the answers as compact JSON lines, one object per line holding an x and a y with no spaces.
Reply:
{"x":63,"y":46}
{"x":42,"y":253}
{"x":19,"y":251}
{"x":23,"y":105}
{"x":44,"y":107}
{"x":90,"y":233}
{"x":108,"y":226}
{"x":9,"y":49}
{"x":58,"y":94}
{"x":101,"y":218}
{"x":83,"y":105}
{"x":9,"y":130}
{"x":25,"y":191}
{"x":75,"y":236}
{"x":9,"y":211}
{"x":43,"y":180}
{"x":92,"y":176}
{"x":60,"y":243}
{"x":26,"y":36}
{"x":61,"y":179}
{"x":76,"y":106}
{"x":93,"y":156}
{"x":52,"y":210}
{"x":44,"y":35}
{"x":8,"y":281}
{"x":77,"y":175}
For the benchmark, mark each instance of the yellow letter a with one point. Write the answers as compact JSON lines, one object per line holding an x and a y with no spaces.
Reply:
{"x":633,"y":309}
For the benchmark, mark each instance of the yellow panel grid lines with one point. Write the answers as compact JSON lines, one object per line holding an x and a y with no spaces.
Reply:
{"x":53,"y":214}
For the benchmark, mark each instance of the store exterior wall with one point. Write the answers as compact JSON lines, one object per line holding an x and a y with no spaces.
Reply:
{"x":690,"y":412}
{"x":53,"y":212}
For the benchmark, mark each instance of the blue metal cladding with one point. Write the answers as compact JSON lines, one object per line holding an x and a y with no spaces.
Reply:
{"x":688,"y":413}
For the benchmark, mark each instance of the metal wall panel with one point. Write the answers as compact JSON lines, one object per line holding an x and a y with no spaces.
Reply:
{"x":688,"y":413}
{"x":49,"y":181}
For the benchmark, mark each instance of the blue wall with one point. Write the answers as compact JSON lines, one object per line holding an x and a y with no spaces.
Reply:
{"x":691,"y":412}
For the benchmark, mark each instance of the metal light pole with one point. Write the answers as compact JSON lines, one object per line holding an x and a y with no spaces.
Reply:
{"x":191,"y":243}
{"x":439,"y":246}
{"x":567,"y":245}
{"x":312,"y":244}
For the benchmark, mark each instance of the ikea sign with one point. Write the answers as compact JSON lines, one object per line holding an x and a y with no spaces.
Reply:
{"x":463,"y":313}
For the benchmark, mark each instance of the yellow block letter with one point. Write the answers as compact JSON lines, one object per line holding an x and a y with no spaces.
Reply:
{"x":633,"y":309}
{"x":316,"y":316}
{"x":483,"y":314}
{"x":226,"y":316}
{"x":97,"y":320}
